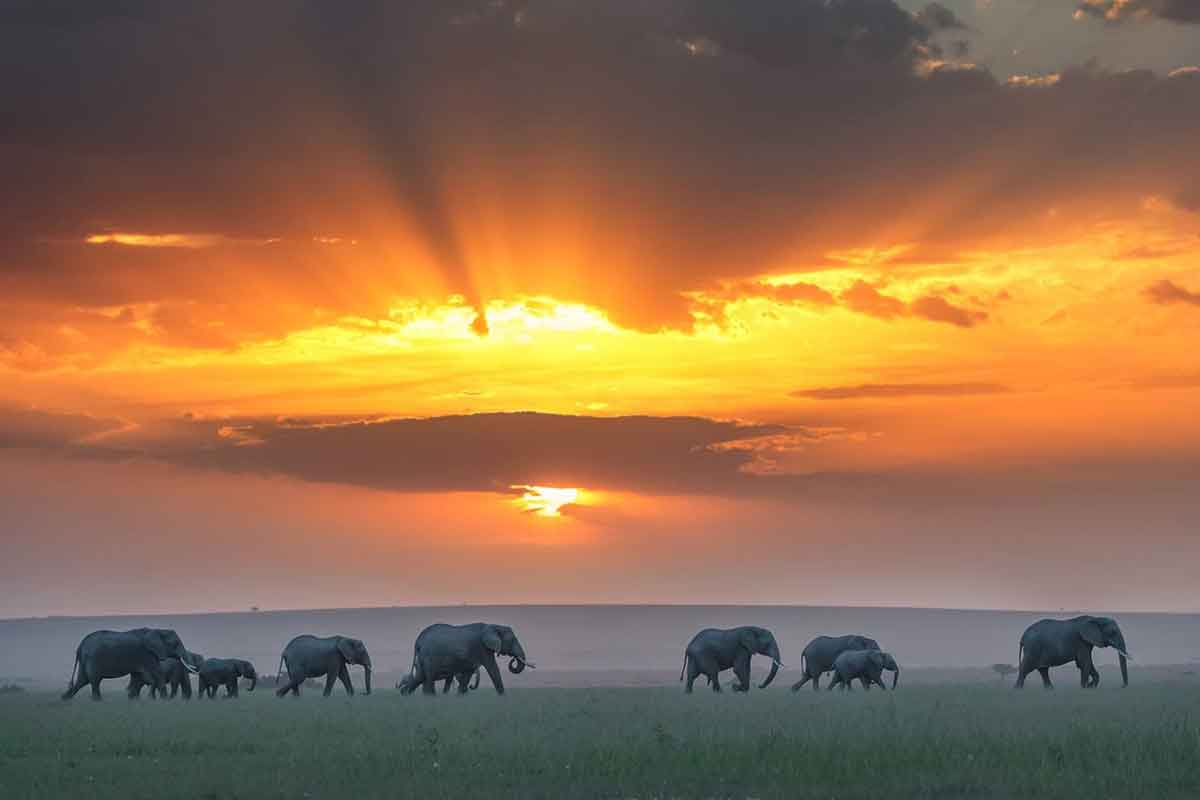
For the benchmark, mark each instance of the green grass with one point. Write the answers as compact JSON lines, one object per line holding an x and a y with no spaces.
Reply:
{"x":927,"y":742}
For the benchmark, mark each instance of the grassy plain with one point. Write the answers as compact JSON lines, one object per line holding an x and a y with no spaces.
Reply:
{"x":957,"y":741}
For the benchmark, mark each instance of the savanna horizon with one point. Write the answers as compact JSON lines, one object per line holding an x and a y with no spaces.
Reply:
{"x":819,"y":303}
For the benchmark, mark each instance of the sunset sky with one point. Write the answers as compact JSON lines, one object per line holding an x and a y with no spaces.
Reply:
{"x":307,"y":304}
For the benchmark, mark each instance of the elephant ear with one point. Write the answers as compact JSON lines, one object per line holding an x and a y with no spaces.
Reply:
{"x":154,"y":643}
{"x":491,"y":639}
{"x":346,"y":648}
{"x":877,"y":657}
{"x":748,"y":640}
{"x":1090,"y":633}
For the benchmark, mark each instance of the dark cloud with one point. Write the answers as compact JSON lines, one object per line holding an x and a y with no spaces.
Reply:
{"x":870,"y":391}
{"x":480,"y":452}
{"x":672,"y":144}
{"x":49,"y":430}
{"x":938,"y":309}
{"x":937,"y":17}
{"x":1167,"y":293}
{"x":861,"y":297}
{"x":1119,"y":10}
{"x":866,"y":299}
{"x":68,"y":15}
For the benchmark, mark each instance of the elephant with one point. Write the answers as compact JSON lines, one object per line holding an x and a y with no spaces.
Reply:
{"x":466,"y":682}
{"x":443,"y":652}
{"x":713,"y":650}
{"x":312,"y":657}
{"x":1054,"y":642}
{"x":866,"y":665}
{"x":225,"y":672}
{"x":115,"y":654}
{"x":821,"y":652}
{"x":174,"y":674}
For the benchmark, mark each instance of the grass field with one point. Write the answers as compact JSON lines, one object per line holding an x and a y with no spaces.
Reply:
{"x":920,"y":742}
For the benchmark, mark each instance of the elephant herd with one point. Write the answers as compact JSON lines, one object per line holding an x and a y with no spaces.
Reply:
{"x":456,"y":653}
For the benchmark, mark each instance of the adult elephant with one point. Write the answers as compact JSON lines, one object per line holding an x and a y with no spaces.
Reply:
{"x":865,"y":665}
{"x":713,"y":650}
{"x":225,"y":672}
{"x":821,"y":652}
{"x":175,"y":674}
{"x":115,"y":654}
{"x":1054,"y":642}
{"x":329,"y":657}
{"x":442,"y":652}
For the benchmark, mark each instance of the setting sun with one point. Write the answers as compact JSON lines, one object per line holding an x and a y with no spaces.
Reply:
{"x":546,"y":501}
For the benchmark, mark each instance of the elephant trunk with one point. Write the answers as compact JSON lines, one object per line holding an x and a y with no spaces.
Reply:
{"x":253,"y":683}
{"x":367,"y":674}
{"x":773,"y":653}
{"x":517,"y":664}
{"x":1124,"y":669}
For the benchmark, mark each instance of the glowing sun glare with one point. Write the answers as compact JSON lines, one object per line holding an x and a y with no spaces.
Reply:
{"x":545,"y":501}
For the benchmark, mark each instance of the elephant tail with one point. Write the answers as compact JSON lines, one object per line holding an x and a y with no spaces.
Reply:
{"x":804,"y":663}
{"x":74,"y":669}
{"x":279,"y":672}
{"x":684,"y":669}
{"x":1020,"y":652}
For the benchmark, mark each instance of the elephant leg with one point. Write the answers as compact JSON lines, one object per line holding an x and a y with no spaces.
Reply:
{"x":866,"y":682}
{"x":741,"y":671}
{"x":231,"y":688}
{"x":1087,"y":668}
{"x":816,"y":681}
{"x":344,"y":677}
{"x":1045,"y":673}
{"x":693,"y":672}
{"x":446,"y":686}
{"x":96,"y":689}
{"x":293,"y":686}
{"x":800,"y":683}
{"x":713,"y":673}
{"x":330,"y":677}
{"x":73,"y":689}
{"x":493,"y":672}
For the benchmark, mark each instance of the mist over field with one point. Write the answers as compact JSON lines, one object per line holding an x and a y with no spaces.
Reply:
{"x":580,"y":646}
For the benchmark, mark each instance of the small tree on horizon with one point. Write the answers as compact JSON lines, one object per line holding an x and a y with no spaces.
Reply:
{"x":1003,"y":670}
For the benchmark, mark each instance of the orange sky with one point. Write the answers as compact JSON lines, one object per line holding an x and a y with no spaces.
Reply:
{"x":905,"y":320}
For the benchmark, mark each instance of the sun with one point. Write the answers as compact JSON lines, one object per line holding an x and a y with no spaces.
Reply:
{"x":545,"y":501}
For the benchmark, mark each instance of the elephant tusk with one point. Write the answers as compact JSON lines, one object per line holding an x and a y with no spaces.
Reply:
{"x":1127,"y":656}
{"x":778,"y":663}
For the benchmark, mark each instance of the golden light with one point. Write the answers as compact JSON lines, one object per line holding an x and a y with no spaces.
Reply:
{"x":192,"y":240}
{"x":545,"y":501}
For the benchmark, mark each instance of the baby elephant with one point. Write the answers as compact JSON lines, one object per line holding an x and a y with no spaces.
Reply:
{"x":225,"y":672}
{"x":466,"y":681}
{"x":865,"y":665}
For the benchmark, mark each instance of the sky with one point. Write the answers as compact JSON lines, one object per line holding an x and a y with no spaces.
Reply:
{"x":571,"y":301}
